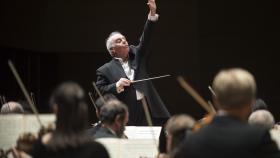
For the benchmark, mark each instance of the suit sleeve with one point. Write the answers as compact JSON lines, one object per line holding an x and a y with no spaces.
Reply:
{"x":145,"y":38}
{"x":104,"y":85}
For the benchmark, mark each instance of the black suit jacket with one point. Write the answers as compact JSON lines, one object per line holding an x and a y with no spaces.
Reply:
{"x":228,"y":137}
{"x":103,"y":132}
{"x":111,"y":72}
{"x":88,"y":150}
{"x":92,"y":131}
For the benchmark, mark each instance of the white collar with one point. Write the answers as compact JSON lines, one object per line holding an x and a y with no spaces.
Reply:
{"x":121,"y":60}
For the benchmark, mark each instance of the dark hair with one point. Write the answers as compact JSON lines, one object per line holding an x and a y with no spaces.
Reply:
{"x":259,"y":105}
{"x":111,"y":110}
{"x":71,"y":116}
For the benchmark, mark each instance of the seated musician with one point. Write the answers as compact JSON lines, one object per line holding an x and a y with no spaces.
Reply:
{"x":12,"y":107}
{"x":177,"y":127}
{"x":69,"y":139}
{"x":99,"y":103}
{"x":114,"y":116}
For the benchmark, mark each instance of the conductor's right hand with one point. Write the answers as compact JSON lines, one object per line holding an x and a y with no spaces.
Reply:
{"x":122,"y":83}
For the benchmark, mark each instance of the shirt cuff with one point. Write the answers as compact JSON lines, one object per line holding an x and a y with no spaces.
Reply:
{"x":153,"y":18}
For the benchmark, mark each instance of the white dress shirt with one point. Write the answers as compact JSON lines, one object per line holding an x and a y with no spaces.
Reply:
{"x":130,"y":74}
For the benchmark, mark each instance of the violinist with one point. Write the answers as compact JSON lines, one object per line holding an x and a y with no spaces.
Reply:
{"x":69,"y":139}
{"x":228,"y":134}
{"x":176,"y":129}
{"x":99,"y":103}
{"x":114,"y":117}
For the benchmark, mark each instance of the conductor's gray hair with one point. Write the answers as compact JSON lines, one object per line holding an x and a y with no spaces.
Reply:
{"x":110,"y":42}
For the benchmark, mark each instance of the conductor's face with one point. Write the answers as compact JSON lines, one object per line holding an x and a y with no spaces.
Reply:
{"x":120,"y":47}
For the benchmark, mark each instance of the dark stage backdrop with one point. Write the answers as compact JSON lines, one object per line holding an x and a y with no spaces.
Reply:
{"x":53,"y":41}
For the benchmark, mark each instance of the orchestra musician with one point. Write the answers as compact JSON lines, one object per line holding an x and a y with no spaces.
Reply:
{"x":69,"y":139}
{"x":113,"y":116}
{"x":98,"y":104}
{"x":228,"y":134}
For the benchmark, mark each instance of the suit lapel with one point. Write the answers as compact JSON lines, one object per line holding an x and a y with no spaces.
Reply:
{"x":118,"y":69}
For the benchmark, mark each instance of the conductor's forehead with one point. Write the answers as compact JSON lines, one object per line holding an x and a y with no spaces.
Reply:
{"x":116,"y":36}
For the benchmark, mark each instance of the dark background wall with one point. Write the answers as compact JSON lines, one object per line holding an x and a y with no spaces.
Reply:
{"x":53,"y":41}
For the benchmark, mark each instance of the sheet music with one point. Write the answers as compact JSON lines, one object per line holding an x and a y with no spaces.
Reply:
{"x":32,"y":125}
{"x":142,"y":132}
{"x":133,"y":148}
{"x":12,"y":125}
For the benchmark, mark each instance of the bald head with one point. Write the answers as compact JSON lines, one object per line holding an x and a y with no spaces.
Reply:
{"x":12,"y":107}
{"x":262,"y":118}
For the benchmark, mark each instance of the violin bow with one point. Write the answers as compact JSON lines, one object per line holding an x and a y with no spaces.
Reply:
{"x":98,"y":92}
{"x":92,"y":100}
{"x":22,"y":87}
{"x":195,"y":95}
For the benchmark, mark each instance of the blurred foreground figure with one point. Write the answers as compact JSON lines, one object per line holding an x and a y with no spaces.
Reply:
{"x":229,"y":135}
{"x":177,"y":128}
{"x":69,"y":139}
{"x":265,"y":119}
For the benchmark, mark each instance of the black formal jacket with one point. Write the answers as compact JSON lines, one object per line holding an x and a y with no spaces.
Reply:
{"x":88,"y":150}
{"x":111,"y":72}
{"x":228,"y":137}
{"x":91,"y":131}
{"x":103,"y":132}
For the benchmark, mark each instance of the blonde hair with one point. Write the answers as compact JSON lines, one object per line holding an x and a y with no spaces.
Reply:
{"x":234,"y":87}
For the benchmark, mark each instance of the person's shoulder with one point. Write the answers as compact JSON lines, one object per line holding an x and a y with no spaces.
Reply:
{"x":105,"y":66}
{"x":95,"y":145}
{"x":103,"y":133}
{"x":94,"y":149}
{"x":91,"y":131}
{"x":258,"y":132}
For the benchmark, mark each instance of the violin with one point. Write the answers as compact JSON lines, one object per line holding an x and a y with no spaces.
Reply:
{"x":26,"y":141}
{"x":202,"y":122}
{"x":206,"y":106}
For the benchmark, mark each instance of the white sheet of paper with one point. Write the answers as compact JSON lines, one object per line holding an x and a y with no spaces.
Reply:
{"x":12,"y":125}
{"x":130,"y":148}
{"x":142,"y":132}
